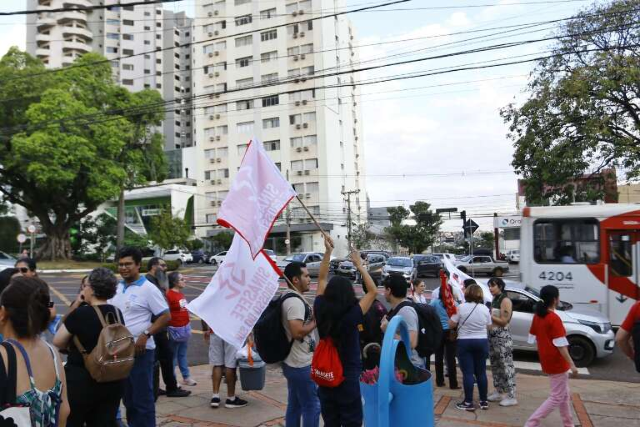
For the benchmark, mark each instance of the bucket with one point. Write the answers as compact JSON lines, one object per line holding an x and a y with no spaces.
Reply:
{"x":252,"y":371}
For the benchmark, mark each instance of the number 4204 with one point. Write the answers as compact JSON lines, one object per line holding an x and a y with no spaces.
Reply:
{"x":555,"y":275}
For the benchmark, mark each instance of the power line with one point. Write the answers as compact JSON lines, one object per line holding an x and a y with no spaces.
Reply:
{"x":87,"y":8}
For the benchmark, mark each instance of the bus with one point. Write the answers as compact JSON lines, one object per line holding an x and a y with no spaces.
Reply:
{"x":590,"y":252}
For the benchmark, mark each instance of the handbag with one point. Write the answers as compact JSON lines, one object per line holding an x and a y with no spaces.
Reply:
{"x":10,"y":413}
{"x":180,"y":333}
{"x":453,"y":334}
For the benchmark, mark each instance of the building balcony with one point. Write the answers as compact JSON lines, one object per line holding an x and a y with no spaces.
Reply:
{"x":43,"y":53}
{"x":76,"y":3}
{"x":45,"y":22}
{"x":43,"y":39}
{"x":66,"y":17}
{"x":77,"y":31}
{"x":76,"y":46}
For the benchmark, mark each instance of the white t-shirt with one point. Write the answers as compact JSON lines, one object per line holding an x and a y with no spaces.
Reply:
{"x":477,"y":316}
{"x":301,"y":350}
{"x":139,"y":301}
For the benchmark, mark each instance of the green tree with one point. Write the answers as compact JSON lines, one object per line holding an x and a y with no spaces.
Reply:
{"x":416,"y":237}
{"x":9,"y":230}
{"x":583,"y":113}
{"x":484,"y":240}
{"x":169,"y":232}
{"x":222,"y":240}
{"x":195,"y":244}
{"x":63,"y":144}
{"x":362,"y":236}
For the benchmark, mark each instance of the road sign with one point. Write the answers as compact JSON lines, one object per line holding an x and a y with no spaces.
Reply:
{"x":507,"y":221}
{"x":31,"y":229}
{"x":22,"y":238}
{"x":470,"y":227}
{"x":286,"y":242}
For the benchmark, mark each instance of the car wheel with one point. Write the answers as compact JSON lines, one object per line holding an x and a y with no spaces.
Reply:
{"x":214,"y":262}
{"x":581,"y":351}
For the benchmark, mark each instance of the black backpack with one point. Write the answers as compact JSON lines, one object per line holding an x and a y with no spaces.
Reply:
{"x":269,"y":334}
{"x":429,"y":327}
{"x":635,"y":334}
{"x":371,"y":331}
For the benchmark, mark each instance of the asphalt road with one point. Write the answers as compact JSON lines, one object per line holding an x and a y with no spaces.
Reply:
{"x":64,"y":288}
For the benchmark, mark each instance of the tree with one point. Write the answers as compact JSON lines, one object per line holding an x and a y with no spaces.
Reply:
{"x":362,"y":236}
{"x":416,"y":237}
{"x":485,"y":240}
{"x":169,"y":232}
{"x":583,"y":114}
{"x":62,"y":141}
{"x":195,"y":244}
{"x":9,"y":230}
{"x":222,"y":240}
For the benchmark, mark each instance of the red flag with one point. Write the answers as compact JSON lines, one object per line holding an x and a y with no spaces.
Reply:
{"x":446,"y":295}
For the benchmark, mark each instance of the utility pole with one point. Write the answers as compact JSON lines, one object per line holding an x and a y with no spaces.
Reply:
{"x":287,"y":221}
{"x":347,"y":195}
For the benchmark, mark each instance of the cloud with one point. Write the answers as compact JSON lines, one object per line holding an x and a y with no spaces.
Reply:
{"x":458,"y":19}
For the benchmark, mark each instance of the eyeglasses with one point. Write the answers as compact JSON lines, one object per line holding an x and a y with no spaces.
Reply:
{"x":23,"y":270}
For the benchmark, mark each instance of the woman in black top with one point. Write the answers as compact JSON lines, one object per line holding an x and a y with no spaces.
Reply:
{"x":92,"y":404}
{"x":340,"y":316}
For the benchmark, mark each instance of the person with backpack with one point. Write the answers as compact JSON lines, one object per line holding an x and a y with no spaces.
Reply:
{"x":340,"y":316}
{"x":628,"y":336}
{"x":371,"y":335}
{"x":501,"y":346}
{"x":553,"y":350}
{"x":447,"y":348}
{"x":31,"y":372}
{"x":471,"y":321}
{"x":92,"y":403}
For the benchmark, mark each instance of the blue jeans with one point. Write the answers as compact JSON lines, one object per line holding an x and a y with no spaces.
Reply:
{"x":138,"y":393}
{"x":302,"y":400}
{"x":180,"y":357}
{"x":472,"y":354}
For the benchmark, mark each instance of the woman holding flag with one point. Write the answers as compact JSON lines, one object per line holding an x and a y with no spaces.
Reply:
{"x":446,"y":307}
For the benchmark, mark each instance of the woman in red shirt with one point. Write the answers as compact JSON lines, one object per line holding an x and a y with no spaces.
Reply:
{"x":553,"y":348}
{"x":179,"y":325}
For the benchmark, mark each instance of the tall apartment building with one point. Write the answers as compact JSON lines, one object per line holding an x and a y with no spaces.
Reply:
{"x":58,"y":38}
{"x":310,"y":125}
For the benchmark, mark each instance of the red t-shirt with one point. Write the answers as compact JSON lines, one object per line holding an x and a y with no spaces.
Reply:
{"x":178,"y":308}
{"x":546,"y":329}
{"x":632,"y":317}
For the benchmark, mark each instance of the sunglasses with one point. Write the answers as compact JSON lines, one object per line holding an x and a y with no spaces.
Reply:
{"x":23,"y":270}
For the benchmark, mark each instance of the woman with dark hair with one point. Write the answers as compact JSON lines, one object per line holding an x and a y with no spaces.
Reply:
{"x":447,"y":347}
{"x":40,"y":383}
{"x":179,"y":326}
{"x":553,"y":348}
{"x":6,"y":275}
{"x":92,"y":403}
{"x":501,"y":346}
{"x":472,"y":320}
{"x":27,"y":267}
{"x":339,"y":315}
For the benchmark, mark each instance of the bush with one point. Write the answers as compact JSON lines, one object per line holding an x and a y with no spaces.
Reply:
{"x":171,"y":266}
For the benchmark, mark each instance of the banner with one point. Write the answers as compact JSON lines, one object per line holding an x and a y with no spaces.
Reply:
{"x":258,"y":195}
{"x":238,"y":293}
{"x":457,"y":278}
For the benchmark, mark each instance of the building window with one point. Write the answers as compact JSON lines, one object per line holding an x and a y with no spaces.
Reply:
{"x":127,"y":52}
{"x":127,"y":82}
{"x":127,"y":22}
{"x":269,"y":35}
{"x":206,"y":49}
{"x":268,"y":78}
{"x":112,"y":49}
{"x":127,"y":37}
{"x":222,"y":130}
{"x":244,"y":105}
{"x":269,"y":56}
{"x":242,"y":148}
{"x":313,"y":187}
{"x":221,"y":45}
{"x":241,"y":2}
{"x":243,"y":62}
{"x":267,"y":14}
{"x":244,"y":41}
{"x":113,"y":22}
{"x":271,"y":145}
{"x":127,"y":67}
{"x":310,"y":140}
{"x":270,"y":124}
{"x":147,"y":42}
{"x":270,"y":101}
{"x":311,"y":164}
{"x":243,"y":20}
{"x":242,"y":83}
{"x":309,"y":117}
{"x":211,"y":218}
{"x":296,"y":142}
{"x":113,"y":36}
{"x":244,"y":127}
{"x":297,"y":165}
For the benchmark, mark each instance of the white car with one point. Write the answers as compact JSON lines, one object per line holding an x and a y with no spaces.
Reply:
{"x":218,"y":258}
{"x":513,"y":256}
{"x":271,"y":255}
{"x":311,"y":259}
{"x":181,"y":256}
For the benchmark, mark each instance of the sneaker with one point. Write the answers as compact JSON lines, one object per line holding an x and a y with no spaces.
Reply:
{"x":484,"y":405}
{"x":189,"y":381}
{"x":508,"y":401}
{"x":235,"y":403}
{"x":464,"y":406}
{"x":215,"y":402}
{"x":178,"y":393}
{"x":495,"y":397}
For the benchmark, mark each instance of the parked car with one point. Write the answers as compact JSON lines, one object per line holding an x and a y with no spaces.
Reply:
{"x":588,"y":331}
{"x":375,"y":262}
{"x":400,"y":266}
{"x":335,"y":263}
{"x":6,"y":260}
{"x":183,"y":257}
{"x":218,"y":258}
{"x":513,"y":257}
{"x":428,"y":265}
{"x":271,"y":254}
{"x":482,"y":264}
{"x":450,"y":257}
{"x":311,"y":259}
{"x":199,"y":256}
{"x":385,"y":254}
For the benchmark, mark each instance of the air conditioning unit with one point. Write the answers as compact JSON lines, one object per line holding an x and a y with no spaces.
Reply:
{"x":218,"y":138}
{"x":302,"y":34}
{"x":210,"y":34}
{"x":210,"y":14}
{"x":219,"y":182}
{"x":217,"y":96}
{"x":212,"y":160}
{"x":307,"y":172}
{"x":210,"y":75}
{"x":298,"y":126}
{"x":299,"y":172}
{"x":216,"y":53}
{"x":304,"y":102}
{"x":307,"y":195}
{"x":211,"y":117}
{"x":305,"y":125}
{"x":214,"y":203}
{"x":299,"y":149}
{"x":219,"y":202}
{"x":216,"y":12}
{"x":306,"y":148}
{"x":303,"y":79}
{"x":301,"y":12}
{"x":210,"y":54}
{"x":294,"y":13}
{"x":217,"y":74}
{"x":212,"y":182}
{"x":295,"y":35}
{"x":211,"y":138}
{"x":217,"y":116}
{"x":218,"y":160}
{"x":297,"y":103}
{"x":303,"y":56}
{"x":216,"y":32}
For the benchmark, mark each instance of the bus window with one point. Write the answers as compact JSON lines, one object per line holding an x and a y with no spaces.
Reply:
{"x":566,"y":241}
{"x":620,"y":254}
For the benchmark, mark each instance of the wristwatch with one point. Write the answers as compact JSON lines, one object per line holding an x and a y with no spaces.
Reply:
{"x":147,"y":333}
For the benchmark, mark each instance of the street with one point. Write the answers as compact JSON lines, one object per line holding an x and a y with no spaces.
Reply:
{"x":64,"y":288}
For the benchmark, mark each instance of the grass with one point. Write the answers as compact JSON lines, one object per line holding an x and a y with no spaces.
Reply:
{"x":68,"y":265}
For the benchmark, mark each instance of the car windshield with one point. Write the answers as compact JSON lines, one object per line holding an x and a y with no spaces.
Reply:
{"x":296,"y":258}
{"x":466,"y":258}
{"x":269,"y":252}
{"x":399,"y":262}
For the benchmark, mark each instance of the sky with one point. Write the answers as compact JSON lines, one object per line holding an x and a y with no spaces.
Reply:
{"x":437,"y":138}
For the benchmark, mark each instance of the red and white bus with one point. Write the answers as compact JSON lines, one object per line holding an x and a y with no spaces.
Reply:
{"x":590,"y":252}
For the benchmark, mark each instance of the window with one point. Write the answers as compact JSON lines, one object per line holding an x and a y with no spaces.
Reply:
{"x":244,"y":127}
{"x":310,"y":140}
{"x":566,"y":241}
{"x":221,"y":87}
{"x":112,"y":49}
{"x":222,"y":130}
{"x":206,"y":49}
{"x":296,"y":142}
{"x":209,"y":154}
{"x":311,"y":164}
{"x":269,"y":56}
{"x":295,"y":119}
{"x":270,"y":124}
{"x":221,"y":45}
{"x":304,"y":95}
{"x":270,"y":101}
{"x":271,"y":145}
{"x":220,"y":108}
{"x":313,"y":187}
{"x":244,"y":41}
{"x":113,"y":36}
{"x":243,"y":20}
{"x":207,"y":28}
{"x":268,"y":78}
{"x":127,"y":67}
{"x":309,"y":117}
{"x":242,"y":148}
{"x":267,"y":14}
{"x":127,"y":52}
{"x":244,"y":82}
{"x":210,"y":196}
{"x":241,"y":2}
{"x":307,"y":71}
{"x":292,"y":7}
{"x":269,"y":35}
{"x":113,"y":22}
{"x":306,"y":48}
{"x":127,"y":37}
{"x":297,"y":165}
{"x":211,"y":218}
{"x":244,"y":105}
{"x":127,"y":82}
{"x":127,"y":22}
{"x":223,"y":152}
{"x":243,"y":62}
{"x":147,"y":42}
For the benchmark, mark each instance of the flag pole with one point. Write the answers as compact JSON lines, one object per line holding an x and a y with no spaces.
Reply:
{"x":312,"y":217}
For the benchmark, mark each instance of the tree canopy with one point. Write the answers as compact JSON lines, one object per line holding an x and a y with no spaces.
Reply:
{"x":416,"y":237}
{"x":71,"y":140}
{"x":583,"y":112}
{"x":169,"y":232}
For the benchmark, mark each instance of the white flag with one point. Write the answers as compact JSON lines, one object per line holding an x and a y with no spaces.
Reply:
{"x":457,"y":278}
{"x":238,"y":293}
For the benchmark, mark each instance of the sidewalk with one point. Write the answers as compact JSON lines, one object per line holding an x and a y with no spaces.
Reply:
{"x":595,"y":404}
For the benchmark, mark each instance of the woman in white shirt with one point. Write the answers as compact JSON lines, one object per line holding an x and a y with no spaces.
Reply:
{"x":472,"y":320}
{"x":417,"y":290}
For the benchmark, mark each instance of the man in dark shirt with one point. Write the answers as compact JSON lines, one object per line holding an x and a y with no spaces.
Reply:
{"x":157,"y":275}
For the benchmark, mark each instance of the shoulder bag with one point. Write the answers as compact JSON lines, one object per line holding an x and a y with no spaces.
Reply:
{"x":10,"y":413}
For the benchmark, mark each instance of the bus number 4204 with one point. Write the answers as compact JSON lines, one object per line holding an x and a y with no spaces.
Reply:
{"x":555,"y":275}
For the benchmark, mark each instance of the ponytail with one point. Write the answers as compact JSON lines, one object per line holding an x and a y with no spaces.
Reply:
{"x":548,"y":294}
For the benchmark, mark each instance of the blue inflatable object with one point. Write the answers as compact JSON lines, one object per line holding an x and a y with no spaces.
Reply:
{"x":389,"y":402}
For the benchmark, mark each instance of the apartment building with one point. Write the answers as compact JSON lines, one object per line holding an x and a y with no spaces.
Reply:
{"x":144,"y":31}
{"x":253,"y":80}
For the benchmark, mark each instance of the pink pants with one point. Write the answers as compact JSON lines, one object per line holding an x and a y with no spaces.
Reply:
{"x":559,"y":398}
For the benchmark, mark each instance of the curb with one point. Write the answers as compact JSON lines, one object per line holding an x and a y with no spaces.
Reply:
{"x":70,"y":270}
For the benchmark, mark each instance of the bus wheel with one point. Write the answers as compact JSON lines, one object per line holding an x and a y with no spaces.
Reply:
{"x":581,"y":351}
